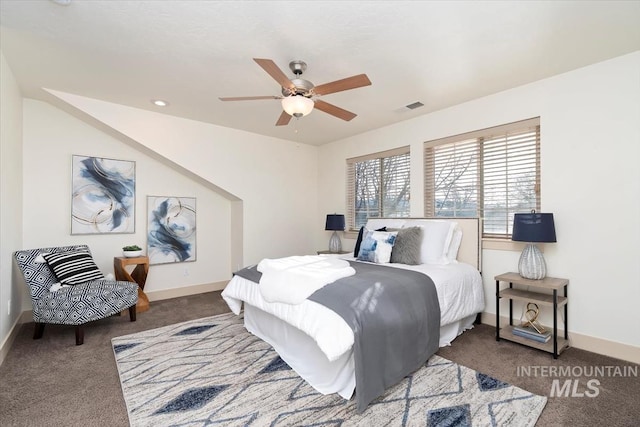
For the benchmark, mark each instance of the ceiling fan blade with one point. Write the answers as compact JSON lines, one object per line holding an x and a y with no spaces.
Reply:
{"x":344,"y":84}
{"x":248,"y":98}
{"x":334,"y":111}
{"x":272,"y":69}
{"x":284,"y":119}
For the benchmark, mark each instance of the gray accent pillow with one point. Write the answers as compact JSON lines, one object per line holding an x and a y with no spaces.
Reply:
{"x":406,"y":249}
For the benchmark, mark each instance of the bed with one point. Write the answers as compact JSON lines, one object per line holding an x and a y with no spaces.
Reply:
{"x":321,"y":346}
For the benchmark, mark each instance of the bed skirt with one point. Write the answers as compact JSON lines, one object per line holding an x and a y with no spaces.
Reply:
{"x":303,"y":355}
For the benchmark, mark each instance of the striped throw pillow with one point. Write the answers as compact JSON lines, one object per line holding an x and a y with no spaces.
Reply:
{"x":73,"y":268}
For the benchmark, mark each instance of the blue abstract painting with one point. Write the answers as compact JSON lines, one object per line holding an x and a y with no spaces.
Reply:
{"x":171,"y":229}
{"x":103,"y":195}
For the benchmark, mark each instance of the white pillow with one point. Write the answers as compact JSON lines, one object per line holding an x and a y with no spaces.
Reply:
{"x":456,"y":239}
{"x":436,"y":239}
{"x":376,"y":246}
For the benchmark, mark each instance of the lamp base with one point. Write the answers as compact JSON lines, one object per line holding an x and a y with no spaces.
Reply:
{"x":531,"y":264}
{"x":335,"y":244}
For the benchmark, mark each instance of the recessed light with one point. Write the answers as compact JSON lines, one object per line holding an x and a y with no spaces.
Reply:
{"x":159,"y":102}
{"x":62,"y":2}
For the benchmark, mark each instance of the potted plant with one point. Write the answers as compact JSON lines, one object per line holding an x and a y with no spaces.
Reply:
{"x":132,"y":251}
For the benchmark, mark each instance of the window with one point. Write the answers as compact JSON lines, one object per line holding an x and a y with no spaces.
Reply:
{"x":492,"y":174}
{"x":377,"y":186}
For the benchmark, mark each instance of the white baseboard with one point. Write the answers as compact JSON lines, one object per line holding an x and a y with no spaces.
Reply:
{"x":614,"y":349}
{"x":13,"y":333}
{"x":185,"y":290}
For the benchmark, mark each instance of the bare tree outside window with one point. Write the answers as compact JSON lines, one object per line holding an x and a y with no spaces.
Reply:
{"x":367,"y":182}
{"x":456,"y":182}
{"x":492,"y":176}
{"x":379,"y":188}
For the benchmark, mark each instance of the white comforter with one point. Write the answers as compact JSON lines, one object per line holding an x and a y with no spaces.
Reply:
{"x":293,"y":279}
{"x":459,"y":288}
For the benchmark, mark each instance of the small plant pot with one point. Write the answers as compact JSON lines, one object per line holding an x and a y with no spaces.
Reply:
{"x":131,"y":254}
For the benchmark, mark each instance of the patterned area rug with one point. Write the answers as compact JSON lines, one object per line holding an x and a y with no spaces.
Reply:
{"x":212,"y":371}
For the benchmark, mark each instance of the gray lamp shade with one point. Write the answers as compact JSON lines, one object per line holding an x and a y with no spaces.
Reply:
{"x":533,"y":227}
{"x":334,"y":222}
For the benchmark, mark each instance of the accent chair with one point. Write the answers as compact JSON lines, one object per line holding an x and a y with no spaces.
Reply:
{"x":88,"y":297}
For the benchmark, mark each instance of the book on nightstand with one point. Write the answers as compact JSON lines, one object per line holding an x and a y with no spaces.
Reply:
{"x":531,"y":333}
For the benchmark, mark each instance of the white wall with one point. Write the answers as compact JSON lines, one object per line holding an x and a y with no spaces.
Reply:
{"x":590,"y":148}
{"x":51,"y":137}
{"x":276,"y":180}
{"x":10,"y":198}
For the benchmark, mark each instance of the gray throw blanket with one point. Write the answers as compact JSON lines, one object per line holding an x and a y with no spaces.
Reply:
{"x":395,"y":318}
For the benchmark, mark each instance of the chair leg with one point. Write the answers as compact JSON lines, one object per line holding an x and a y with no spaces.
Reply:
{"x":132,"y":313}
{"x":79,"y":335}
{"x":38,"y":331}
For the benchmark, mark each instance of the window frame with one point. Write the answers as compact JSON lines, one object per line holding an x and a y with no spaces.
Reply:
{"x":351,"y":183}
{"x":484,"y":140}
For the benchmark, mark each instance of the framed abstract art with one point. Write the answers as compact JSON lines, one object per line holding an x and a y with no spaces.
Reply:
{"x":103,"y":195}
{"x":171,"y":229}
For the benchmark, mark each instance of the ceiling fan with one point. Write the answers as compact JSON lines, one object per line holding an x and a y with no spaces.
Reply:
{"x":299,"y":96}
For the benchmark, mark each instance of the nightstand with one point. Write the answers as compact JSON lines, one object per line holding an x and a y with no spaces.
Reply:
{"x":556,"y":344}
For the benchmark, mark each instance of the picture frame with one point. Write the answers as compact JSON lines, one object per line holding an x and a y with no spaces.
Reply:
{"x":103,"y":195}
{"x":171,"y":229}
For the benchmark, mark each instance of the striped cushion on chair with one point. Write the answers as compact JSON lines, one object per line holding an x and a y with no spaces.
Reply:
{"x":73,"y":268}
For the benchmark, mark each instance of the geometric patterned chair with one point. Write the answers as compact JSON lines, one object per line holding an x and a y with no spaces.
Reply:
{"x":72,"y":305}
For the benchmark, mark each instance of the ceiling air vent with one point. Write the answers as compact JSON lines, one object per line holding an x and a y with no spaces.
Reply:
{"x":406,"y":108}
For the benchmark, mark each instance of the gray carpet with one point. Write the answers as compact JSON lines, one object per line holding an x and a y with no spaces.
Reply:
{"x":52,"y":382}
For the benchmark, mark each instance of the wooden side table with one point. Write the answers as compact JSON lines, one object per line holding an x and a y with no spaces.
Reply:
{"x":557,"y":344}
{"x":138,"y":275}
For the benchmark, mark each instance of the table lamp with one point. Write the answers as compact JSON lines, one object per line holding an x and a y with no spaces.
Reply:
{"x":335,"y":222}
{"x":533,"y":228}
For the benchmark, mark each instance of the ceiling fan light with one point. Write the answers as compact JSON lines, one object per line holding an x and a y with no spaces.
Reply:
{"x":297,"y":105}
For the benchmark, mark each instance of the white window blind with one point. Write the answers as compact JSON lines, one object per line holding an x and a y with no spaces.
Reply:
{"x":377,"y":186}
{"x":492,"y":174}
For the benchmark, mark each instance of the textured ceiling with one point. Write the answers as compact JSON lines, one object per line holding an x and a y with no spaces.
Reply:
{"x":192,"y":52}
